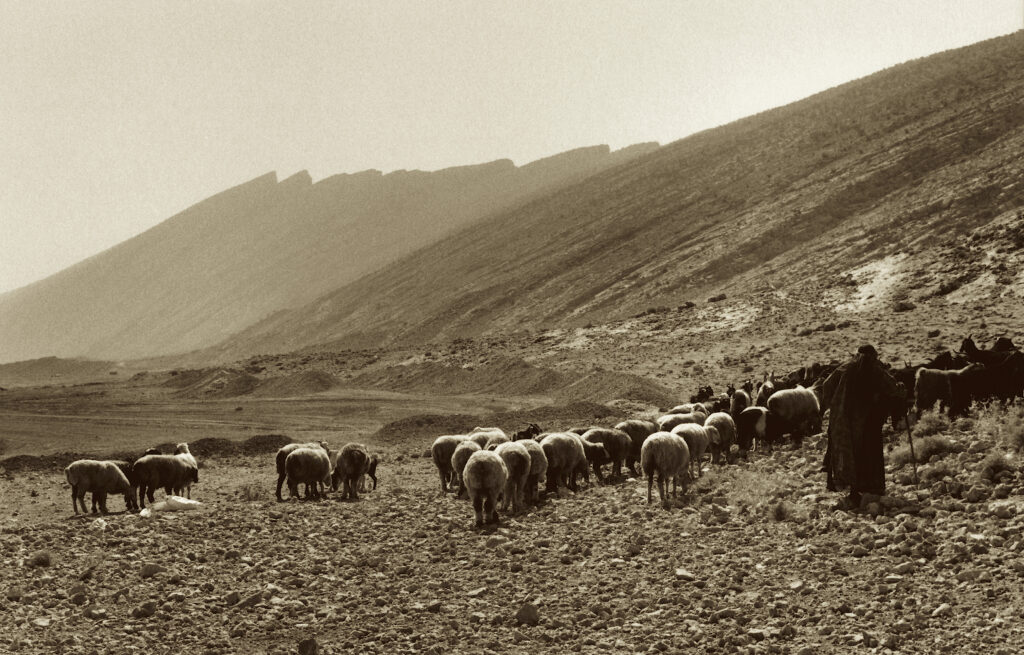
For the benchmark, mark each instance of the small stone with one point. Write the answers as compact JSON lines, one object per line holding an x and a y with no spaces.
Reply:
{"x":15,"y":593}
{"x":42,"y":622}
{"x":944,"y":609}
{"x":309,"y":647}
{"x":496,"y":540}
{"x":477,"y":617}
{"x":434,"y":606}
{"x":476,"y":592}
{"x":251,"y":600}
{"x":528,"y":614}
{"x":79,"y":599}
{"x":905,"y":568}
{"x":95,"y":613}
{"x":144,"y":610}
{"x":683,"y":574}
{"x":149,"y":570}
{"x":515,"y":567}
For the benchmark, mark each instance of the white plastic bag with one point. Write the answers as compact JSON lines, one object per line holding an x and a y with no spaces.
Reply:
{"x":170,"y":504}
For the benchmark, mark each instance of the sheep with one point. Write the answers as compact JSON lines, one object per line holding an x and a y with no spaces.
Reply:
{"x":725,"y":427}
{"x":131,"y":499}
{"x":353,"y":463}
{"x":794,"y":411}
{"x":538,"y":469}
{"x":750,"y":426}
{"x":442,"y":450}
{"x":689,"y":408}
{"x":518,"y":463}
{"x":593,"y":453}
{"x":697,"y":439}
{"x":485,"y":476}
{"x":97,"y":477}
{"x":638,"y":431}
{"x":764,"y":392}
{"x":669,"y":421}
{"x":483,"y":435}
{"x":565,"y":454}
{"x":167,"y":471}
{"x":371,"y":472}
{"x":181,"y":450}
{"x":739,"y":402}
{"x":667,"y":455}
{"x":311,"y":467}
{"x":282,"y":455}
{"x":931,"y":386}
{"x":495,"y":440}
{"x":617,"y":445}
{"x":153,"y":451}
{"x":458,"y":462}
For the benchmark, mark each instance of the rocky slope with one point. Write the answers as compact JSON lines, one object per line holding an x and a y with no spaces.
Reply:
{"x":259,"y":248}
{"x":903,"y":163}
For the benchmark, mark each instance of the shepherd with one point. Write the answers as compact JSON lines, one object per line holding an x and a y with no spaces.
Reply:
{"x":860,"y":395}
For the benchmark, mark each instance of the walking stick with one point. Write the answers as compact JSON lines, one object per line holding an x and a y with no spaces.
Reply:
{"x":910,"y":438}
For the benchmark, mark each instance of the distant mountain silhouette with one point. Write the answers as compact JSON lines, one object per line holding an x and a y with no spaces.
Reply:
{"x":913,"y":156}
{"x":263,"y":247}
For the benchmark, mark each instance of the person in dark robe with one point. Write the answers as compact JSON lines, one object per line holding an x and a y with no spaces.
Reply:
{"x":859,"y":395}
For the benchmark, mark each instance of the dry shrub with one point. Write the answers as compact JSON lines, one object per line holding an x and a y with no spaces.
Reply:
{"x":1003,"y":425}
{"x":938,"y":471}
{"x":781,"y":511}
{"x":925,"y":449}
{"x":993,"y":465}
{"x":931,"y":423}
{"x":250,"y":492}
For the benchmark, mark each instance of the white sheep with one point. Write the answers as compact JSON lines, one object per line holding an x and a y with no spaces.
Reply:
{"x":100,"y":478}
{"x":182,"y":451}
{"x":353,"y":464}
{"x":169,"y":472}
{"x":726,"y":430}
{"x":311,"y":467}
{"x":458,"y":462}
{"x":688,"y":408}
{"x":669,"y":421}
{"x":282,"y":456}
{"x":485,"y":476}
{"x":565,"y":454}
{"x":638,"y":431}
{"x":538,"y":468}
{"x":698,"y":438}
{"x":668,"y":456}
{"x":517,"y":462}
{"x":794,"y":412}
{"x":934,"y":385}
{"x":483,"y":435}
{"x":441,"y":451}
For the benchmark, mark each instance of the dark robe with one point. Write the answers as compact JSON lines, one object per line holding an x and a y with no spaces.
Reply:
{"x":859,"y":395}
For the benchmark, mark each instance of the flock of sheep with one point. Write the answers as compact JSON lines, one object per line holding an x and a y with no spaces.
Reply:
{"x":491,"y":467}
{"x":314,"y":465}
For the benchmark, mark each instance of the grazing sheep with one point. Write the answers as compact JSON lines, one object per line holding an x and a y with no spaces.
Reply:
{"x":739,"y":402}
{"x":442,"y":450}
{"x":518,"y":463}
{"x":751,"y":426}
{"x":458,"y":462}
{"x":795,"y":412}
{"x":638,"y":431}
{"x":698,"y":439}
{"x":726,"y":430}
{"x":152,"y":451}
{"x":483,"y":435}
{"x":669,"y":421}
{"x":617,"y":445}
{"x":131,"y":499}
{"x":371,"y":472}
{"x":494,"y":440}
{"x":162,"y":471}
{"x":565,"y":455}
{"x":667,"y":455}
{"x":181,"y":450}
{"x":485,"y":476}
{"x":931,"y":386}
{"x":282,"y":455}
{"x":353,"y":463}
{"x":592,"y":452}
{"x":538,"y":469}
{"x":100,"y":478}
{"x":311,"y":467}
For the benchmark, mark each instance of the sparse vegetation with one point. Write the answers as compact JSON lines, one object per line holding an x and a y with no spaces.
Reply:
{"x":931,"y":423}
{"x":934,"y":446}
{"x":40,"y":558}
{"x":994,"y":464}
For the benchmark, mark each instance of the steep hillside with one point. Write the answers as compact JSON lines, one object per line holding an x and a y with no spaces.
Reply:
{"x":906,"y":160}
{"x":261,"y":247}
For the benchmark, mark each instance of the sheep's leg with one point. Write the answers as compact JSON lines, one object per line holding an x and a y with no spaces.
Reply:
{"x":491,"y":506}
{"x":650,"y":486}
{"x":444,"y":482}
{"x":74,"y":498}
{"x":280,"y":483}
{"x":103,"y":501}
{"x":478,"y":505}
{"x":597,"y":473}
{"x":355,"y":488}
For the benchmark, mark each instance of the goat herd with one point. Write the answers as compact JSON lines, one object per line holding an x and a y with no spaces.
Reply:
{"x":490,"y":466}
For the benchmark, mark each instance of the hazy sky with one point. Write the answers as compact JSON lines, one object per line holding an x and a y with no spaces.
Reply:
{"x":115,"y":116}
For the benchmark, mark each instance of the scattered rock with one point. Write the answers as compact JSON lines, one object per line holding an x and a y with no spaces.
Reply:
{"x":149,"y":570}
{"x":528,"y":614}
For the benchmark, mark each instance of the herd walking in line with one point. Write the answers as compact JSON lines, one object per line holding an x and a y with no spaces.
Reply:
{"x":493,"y":468}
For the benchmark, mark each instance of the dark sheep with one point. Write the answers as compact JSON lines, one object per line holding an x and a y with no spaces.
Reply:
{"x":617,"y":445}
{"x":311,"y":467}
{"x":353,"y":464}
{"x":282,"y":456}
{"x":169,"y":472}
{"x":638,"y":431}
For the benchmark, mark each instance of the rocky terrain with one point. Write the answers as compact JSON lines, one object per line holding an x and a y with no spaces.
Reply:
{"x":754,"y":559}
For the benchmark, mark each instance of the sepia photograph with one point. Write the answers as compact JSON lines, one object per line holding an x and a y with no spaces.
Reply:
{"x":454,"y":326}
